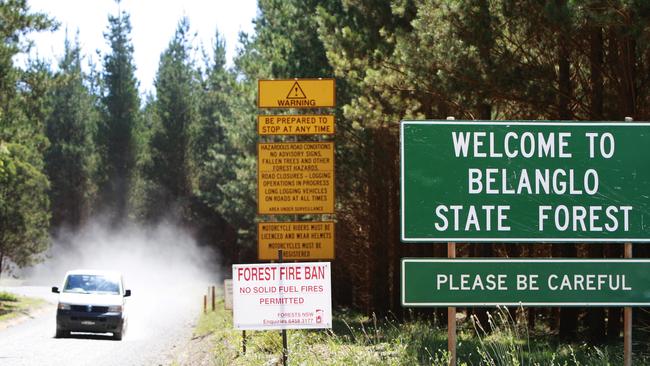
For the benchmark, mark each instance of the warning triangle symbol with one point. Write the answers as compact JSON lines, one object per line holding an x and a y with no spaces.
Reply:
{"x":296,"y":92}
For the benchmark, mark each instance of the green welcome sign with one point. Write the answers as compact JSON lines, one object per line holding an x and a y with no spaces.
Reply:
{"x":525,"y":181}
{"x":525,"y":282}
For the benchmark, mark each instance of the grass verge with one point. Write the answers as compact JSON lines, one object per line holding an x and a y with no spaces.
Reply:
{"x":12,"y":306}
{"x":356,"y":339}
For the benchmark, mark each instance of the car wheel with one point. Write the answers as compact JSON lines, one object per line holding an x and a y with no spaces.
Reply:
{"x":60,"y":333}
{"x":117,"y":336}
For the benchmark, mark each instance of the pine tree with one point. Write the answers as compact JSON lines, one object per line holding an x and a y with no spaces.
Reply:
{"x":177,"y":114}
{"x":70,"y":159}
{"x":211,"y":147}
{"x":24,"y":205}
{"x":121,"y":108}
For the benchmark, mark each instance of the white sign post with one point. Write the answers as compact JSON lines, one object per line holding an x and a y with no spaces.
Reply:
{"x":227,"y":294}
{"x":282,"y":296}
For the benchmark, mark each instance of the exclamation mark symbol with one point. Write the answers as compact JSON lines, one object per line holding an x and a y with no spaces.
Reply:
{"x":298,"y":93}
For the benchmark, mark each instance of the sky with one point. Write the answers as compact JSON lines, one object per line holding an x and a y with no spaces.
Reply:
{"x":153,"y":24}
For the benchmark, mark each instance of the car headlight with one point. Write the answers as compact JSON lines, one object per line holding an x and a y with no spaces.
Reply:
{"x":63,"y":306}
{"x":115,"y":309}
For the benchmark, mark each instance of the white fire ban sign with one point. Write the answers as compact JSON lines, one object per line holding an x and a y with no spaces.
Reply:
{"x":282,"y":296}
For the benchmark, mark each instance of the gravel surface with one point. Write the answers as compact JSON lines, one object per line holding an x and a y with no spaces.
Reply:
{"x":160,"y":326}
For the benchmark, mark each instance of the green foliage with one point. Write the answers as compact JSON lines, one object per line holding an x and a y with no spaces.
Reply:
{"x":24,"y":207}
{"x":214,"y":141}
{"x":507,"y":340}
{"x":472,"y":60}
{"x":176,"y":108}
{"x":71,"y":159}
{"x":217,"y":87}
{"x":285,"y":44}
{"x":190,"y":150}
{"x":5,"y":296}
{"x":229,"y":182}
{"x":15,"y":22}
{"x":142,"y":187}
{"x":286,"y":39}
{"x":122,"y":112}
{"x":12,"y":306}
{"x":356,"y":339}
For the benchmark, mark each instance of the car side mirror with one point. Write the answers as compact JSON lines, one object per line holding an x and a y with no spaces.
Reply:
{"x":55,"y":290}
{"x":127,"y":293}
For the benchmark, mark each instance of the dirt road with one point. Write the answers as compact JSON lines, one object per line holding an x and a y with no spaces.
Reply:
{"x":160,"y":323}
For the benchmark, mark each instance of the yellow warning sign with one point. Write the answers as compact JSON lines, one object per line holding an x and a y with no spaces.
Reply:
{"x":296,"y":93}
{"x":295,"y":124}
{"x":295,"y":178}
{"x":298,"y":240}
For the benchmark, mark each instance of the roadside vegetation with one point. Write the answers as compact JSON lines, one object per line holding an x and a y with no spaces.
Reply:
{"x":80,"y":143}
{"x":356,"y":339}
{"x":12,"y":306}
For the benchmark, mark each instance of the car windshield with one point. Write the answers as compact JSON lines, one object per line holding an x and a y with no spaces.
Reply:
{"x":87,"y":284}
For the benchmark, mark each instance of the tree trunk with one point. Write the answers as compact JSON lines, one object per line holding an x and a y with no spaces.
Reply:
{"x":614,"y":315}
{"x":568,"y":316}
{"x":621,"y":56}
{"x":596,"y":55}
{"x":564,"y":80}
{"x":382,"y":251}
{"x":614,"y":323}
{"x":628,"y":60}
{"x":483,"y":250}
{"x":391,"y":158}
{"x":531,"y":318}
{"x":596,"y":315}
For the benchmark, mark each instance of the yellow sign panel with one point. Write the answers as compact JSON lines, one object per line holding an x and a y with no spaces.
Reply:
{"x":295,"y":124}
{"x":298,"y":240}
{"x":295,"y":93}
{"x":295,"y":178}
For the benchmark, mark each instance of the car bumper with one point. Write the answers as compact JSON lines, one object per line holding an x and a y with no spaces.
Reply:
{"x":76,"y":321}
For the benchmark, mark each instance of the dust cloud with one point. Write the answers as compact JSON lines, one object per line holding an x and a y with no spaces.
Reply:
{"x":162,"y":265}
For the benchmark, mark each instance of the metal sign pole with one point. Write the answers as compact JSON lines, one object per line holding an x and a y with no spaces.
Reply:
{"x":285,"y":347}
{"x":451,"y":316}
{"x":627,"y":322}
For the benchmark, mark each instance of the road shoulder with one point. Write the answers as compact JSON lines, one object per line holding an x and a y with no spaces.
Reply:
{"x":15,"y":309}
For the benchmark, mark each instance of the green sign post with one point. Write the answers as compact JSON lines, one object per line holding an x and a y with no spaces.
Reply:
{"x":520,"y":181}
{"x":431,"y":282}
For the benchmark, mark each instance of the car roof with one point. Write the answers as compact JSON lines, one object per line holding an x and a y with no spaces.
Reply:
{"x":94,"y":272}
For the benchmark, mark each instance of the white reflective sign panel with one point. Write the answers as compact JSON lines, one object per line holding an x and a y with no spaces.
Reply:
{"x":282,"y":296}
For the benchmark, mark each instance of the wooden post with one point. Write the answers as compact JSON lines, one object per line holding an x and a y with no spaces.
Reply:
{"x":627,"y":322}
{"x":243,"y":341}
{"x":205,"y":304}
{"x":627,"y":311}
{"x":451,"y":316}
{"x":213,"y":301}
{"x":451,"y":311}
